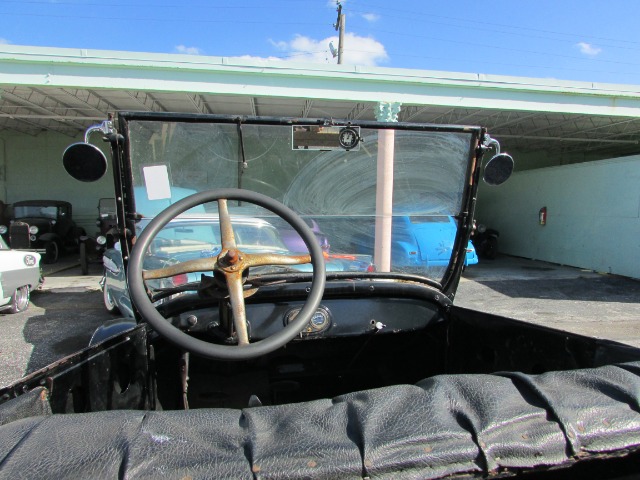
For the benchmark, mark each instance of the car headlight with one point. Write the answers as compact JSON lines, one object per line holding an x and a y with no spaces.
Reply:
{"x":33,"y":229}
{"x":101,"y":240}
{"x":3,"y":229}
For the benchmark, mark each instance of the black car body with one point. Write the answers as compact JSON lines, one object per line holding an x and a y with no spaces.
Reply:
{"x":44,"y":225}
{"x":92,"y":248}
{"x":313,"y":375}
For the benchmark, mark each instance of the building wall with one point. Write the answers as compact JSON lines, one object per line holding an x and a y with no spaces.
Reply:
{"x":593,"y":215}
{"x":543,"y":159}
{"x":31,"y":169}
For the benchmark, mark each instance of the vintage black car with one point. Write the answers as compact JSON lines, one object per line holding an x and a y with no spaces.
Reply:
{"x":271,"y":372}
{"x":92,"y":248}
{"x":43,"y":225}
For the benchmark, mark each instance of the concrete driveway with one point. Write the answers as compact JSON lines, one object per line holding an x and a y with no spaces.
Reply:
{"x":65,"y":312}
{"x":566,"y":298}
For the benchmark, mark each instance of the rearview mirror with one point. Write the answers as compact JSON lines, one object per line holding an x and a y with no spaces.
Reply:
{"x":84,"y":162}
{"x":498,"y":169}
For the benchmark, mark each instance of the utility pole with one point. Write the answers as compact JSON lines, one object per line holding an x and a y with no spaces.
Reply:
{"x":339,"y":26}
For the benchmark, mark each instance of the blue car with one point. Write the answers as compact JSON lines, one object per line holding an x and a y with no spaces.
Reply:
{"x":419,"y":241}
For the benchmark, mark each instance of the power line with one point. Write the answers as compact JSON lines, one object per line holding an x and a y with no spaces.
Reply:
{"x":473,"y":23}
{"x":168,"y":20}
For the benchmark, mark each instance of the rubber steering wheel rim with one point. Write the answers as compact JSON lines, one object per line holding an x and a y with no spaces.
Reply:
{"x":202,"y":348}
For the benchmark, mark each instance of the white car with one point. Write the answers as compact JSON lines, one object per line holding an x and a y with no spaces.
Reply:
{"x":19,"y":275}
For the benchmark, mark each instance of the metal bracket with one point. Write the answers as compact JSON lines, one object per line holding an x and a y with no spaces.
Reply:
{"x":105,"y":127}
{"x":491,"y":142}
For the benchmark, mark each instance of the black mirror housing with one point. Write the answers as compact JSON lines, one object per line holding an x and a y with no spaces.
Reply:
{"x":84,"y":162}
{"x":498,"y":169}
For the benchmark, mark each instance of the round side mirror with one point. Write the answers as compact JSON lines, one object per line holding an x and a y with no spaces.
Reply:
{"x":84,"y":162}
{"x":498,"y":169}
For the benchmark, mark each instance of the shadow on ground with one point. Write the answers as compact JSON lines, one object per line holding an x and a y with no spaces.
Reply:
{"x":603,"y":289}
{"x":66,"y":326}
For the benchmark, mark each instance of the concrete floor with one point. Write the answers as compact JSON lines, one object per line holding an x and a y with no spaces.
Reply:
{"x":566,"y":298}
{"x":68,"y":308}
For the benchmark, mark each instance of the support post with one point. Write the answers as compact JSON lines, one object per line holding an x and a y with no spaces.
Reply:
{"x":385,"y":112}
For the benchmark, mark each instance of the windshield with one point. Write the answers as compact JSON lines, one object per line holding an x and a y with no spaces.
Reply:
{"x":389,"y":200}
{"x":106,"y":207}
{"x":41,"y":211}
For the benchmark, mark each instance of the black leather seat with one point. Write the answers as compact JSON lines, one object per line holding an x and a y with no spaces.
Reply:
{"x":445,"y":425}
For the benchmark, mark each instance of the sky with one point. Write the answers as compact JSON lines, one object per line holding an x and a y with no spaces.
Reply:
{"x":582,"y":40}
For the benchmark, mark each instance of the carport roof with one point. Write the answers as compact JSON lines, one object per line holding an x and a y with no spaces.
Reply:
{"x":67,"y":90}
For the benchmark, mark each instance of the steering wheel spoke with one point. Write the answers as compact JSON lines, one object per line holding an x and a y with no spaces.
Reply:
{"x":226,"y":229}
{"x":236,"y":296}
{"x":259,"y":260}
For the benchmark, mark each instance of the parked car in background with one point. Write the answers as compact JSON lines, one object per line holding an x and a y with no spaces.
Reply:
{"x":419,"y":241}
{"x":43,"y":225}
{"x":19,"y":275}
{"x":92,"y":248}
{"x":485,"y":241}
{"x":195,"y":237}
{"x":294,"y":241}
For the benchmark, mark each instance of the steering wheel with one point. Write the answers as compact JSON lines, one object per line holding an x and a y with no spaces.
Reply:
{"x":229,"y":264}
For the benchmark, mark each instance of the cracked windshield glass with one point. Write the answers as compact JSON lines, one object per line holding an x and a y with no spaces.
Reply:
{"x":376,"y":200}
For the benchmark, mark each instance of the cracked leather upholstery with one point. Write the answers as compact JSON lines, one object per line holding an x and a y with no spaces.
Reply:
{"x":444,"y":425}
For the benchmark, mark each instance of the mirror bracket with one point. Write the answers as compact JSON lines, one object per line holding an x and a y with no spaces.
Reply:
{"x":491,"y":142}
{"x":105,"y":127}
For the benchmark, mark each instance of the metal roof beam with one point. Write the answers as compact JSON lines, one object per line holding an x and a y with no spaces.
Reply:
{"x":356,"y":112}
{"x":570,"y":139}
{"x":307,"y":108}
{"x":198,"y":102}
{"x":51,"y":117}
{"x":516,"y":120}
{"x":92,"y":100}
{"x":40,"y":127}
{"x":409,"y":113}
{"x":146,"y":100}
{"x":28,"y":104}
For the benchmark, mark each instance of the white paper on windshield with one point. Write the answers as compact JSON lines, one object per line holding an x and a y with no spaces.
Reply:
{"x":156,"y":180}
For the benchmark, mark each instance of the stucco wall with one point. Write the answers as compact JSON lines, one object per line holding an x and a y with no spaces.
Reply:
{"x":33,"y":170}
{"x":593,"y":215}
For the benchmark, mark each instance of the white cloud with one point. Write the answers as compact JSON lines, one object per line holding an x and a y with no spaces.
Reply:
{"x":371,"y":17}
{"x":188,"y":50}
{"x":588,"y":49}
{"x":280,"y":45}
{"x":259,"y":59}
{"x":356,"y":51}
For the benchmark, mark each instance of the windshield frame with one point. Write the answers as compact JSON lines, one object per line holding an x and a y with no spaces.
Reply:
{"x":124,"y":178}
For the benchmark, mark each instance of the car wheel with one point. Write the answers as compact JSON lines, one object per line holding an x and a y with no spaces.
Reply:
{"x":51,"y":252}
{"x":109,"y":304}
{"x":20,"y":299}
{"x":84,"y":261}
